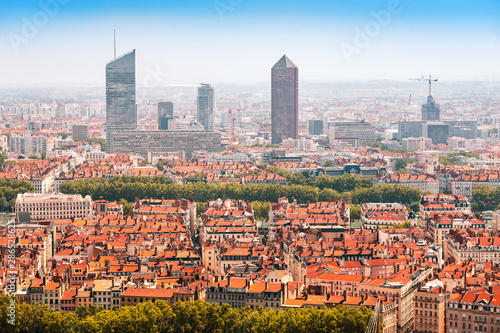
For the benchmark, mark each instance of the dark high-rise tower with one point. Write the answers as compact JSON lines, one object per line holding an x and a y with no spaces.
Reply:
{"x":284,"y":101}
{"x":430,"y":110}
{"x":121,"y":109}
{"x":165,"y":114}
{"x":205,"y":106}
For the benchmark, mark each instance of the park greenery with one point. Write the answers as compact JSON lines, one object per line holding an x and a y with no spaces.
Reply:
{"x":401,"y":164}
{"x":328,"y":164}
{"x":384,"y":147}
{"x":355,"y":212}
{"x":351,"y":188}
{"x":3,"y":157}
{"x":260,"y":145}
{"x":9,"y":189}
{"x":454,"y":158}
{"x":127,"y":207}
{"x":64,"y":135}
{"x":261,"y":210}
{"x":183,"y":317}
{"x":100,"y":141}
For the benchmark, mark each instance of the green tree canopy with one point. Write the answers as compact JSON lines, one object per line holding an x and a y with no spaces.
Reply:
{"x":184,"y":317}
{"x":100,"y":141}
{"x":347,"y":187}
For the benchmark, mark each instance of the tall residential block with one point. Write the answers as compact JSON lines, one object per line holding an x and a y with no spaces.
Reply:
{"x":80,"y":132}
{"x":121,"y":108}
{"x":284,"y":101}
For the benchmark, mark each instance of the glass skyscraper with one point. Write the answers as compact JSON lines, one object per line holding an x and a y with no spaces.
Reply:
{"x":284,"y":101}
{"x":205,"y":106}
{"x":121,"y":108}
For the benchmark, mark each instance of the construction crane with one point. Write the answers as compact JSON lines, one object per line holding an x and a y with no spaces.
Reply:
{"x":424,"y":79}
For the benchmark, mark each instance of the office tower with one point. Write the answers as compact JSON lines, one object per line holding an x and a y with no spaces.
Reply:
{"x":165,"y":114}
{"x":315,"y":127}
{"x":430,"y":110}
{"x":121,"y":110}
{"x":205,"y":106}
{"x":80,"y":132}
{"x":284,"y":100}
{"x":144,"y":142}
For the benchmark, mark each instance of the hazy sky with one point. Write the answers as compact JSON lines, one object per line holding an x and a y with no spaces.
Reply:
{"x":187,"y":41}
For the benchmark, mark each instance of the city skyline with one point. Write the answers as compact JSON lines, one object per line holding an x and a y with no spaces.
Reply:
{"x":399,"y":37}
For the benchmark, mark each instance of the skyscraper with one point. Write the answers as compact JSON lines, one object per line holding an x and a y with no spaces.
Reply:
{"x":430,"y":110}
{"x":205,"y":106}
{"x":121,"y":109}
{"x":165,"y":114}
{"x":284,"y":100}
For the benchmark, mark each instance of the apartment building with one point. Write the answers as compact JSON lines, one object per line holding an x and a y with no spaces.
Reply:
{"x":27,"y":145}
{"x":429,"y":309}
{"x":424,"y":183}
{"x":440,"y":224}
{"x":464,"y":184}
{"x":442,"y":204}
{"x":475,"y":310}
{"x":375,"y":215}
{"x":231,"y":291}
{"x":467,"y":243}
{"x":416,"y":143}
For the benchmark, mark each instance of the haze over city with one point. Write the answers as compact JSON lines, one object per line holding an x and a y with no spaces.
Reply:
{"x":221,"y":41}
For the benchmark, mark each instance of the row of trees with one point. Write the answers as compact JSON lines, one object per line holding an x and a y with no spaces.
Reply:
{"x":129,"y":188}
{"x":9,"y":189}
{"x":342,"y":183}
{"x":183,"y":317}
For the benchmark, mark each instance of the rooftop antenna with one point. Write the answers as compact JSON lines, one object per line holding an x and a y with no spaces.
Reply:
{"x":424,"y":79}
{"x":114,"y":40}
